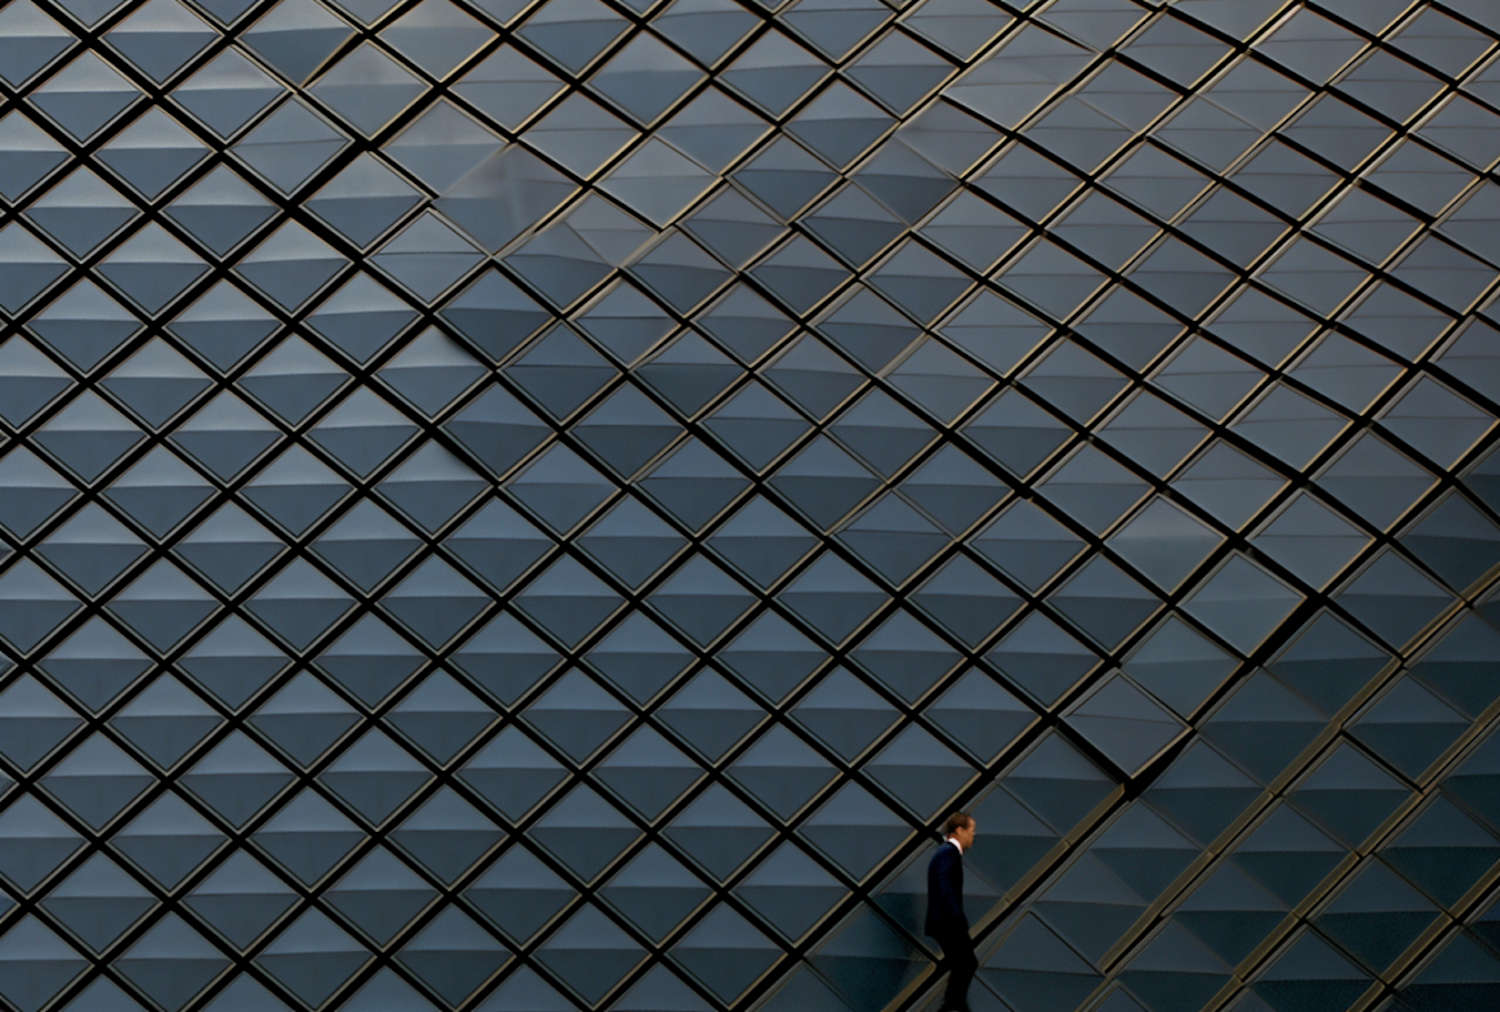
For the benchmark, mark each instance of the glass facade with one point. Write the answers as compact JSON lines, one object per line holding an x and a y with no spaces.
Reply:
{"x":537,"y":506}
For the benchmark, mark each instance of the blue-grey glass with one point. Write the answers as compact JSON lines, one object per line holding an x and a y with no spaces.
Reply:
{"x":548,"y":504}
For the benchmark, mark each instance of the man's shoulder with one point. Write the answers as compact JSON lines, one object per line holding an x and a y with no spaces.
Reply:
{"x":945,"y":851}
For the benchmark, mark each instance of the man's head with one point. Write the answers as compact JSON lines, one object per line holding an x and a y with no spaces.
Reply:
{"x":960,"y":826}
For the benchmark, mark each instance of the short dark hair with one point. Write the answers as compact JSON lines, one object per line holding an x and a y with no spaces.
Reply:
{"x":955,"y":822}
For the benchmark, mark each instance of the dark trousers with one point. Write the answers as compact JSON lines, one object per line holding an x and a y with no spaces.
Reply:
{"x":958,"y":950}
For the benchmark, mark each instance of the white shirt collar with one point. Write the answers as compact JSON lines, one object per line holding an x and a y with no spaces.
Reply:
{"x":958,"y":846}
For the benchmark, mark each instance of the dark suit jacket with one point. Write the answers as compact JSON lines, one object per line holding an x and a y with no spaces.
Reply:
{"x":945,"y":893}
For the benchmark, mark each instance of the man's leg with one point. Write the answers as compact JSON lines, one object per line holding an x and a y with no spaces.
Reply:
{"x":959,"y":951}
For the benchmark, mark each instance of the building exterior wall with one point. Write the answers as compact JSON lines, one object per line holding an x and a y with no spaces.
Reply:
{"x":540,"y":506}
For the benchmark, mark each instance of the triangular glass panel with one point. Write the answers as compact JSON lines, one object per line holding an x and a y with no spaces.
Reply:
{"x":1104,"y":602}
{"x":290,"y":265}
{"x":81,"y":211}
{"x":694,"y":484}
{"x":1017,"y":432}
{"x":508,"y":86}
{"x":733,"y":227}
{"x":367,"y":89}
{"x":1311,"y":540}
{"x":1042,"y":658}
{"x":290,"y":145}
{"x":227,"y":92}
{"x":441,"y":716}
{"x":361,"y":317}
{"x":784,"y":177}
{"x":95,"y":664}
{"x":639,"y":657}
{"x":33,"y":40}
{"x":374,"y":776}
{"x":442,"y":146}
{"x":296,"y":37}
{"x":1349,"y":795}
{"x":824,"y":482}
{"x":237,"y":778}
{"x":295,"y":490}
{"x":1124,"y":723}
{"x":88,"y":436}
{"x":30,"y":382}
{"x":435,"y":601}
{"x":800,"y":274}
{"x":648,"y":773}
{"x":513,"y":773}
{"x":84,"y":96}
{"x":156,"y":382}
{"x":1394,"y":598}
{"x":299,"y":604}
{"x":432,"y":486}
{"x":783,"y":773}
{"x":756,"y":425}
{"x":84,"y":325}
{"x":519,"y":894}
{"x":221,"y":210}
{"x":494,"y":314}
{"x":27,"y":154}
{"x":631,"y":541}
{"x":882,"y":432}
{"x":33,"y":491}
{"x":370,"y":660}
{"x":223,"y":326}
{"x":711,"y":714}
{"x":152,"y":268}
{"x":718,"y":831}
{"x":366,"y":545}
{"x":233,"y":661}
{"x":898,"y":71}
{"x":1456,"y":666}
{"x":714,"y":129}
{"x":33,"y":842}
{"x":364,"y":199}
{"x":98,"y":902}
{"x":35,"y":721}
{"x":893,"y":537}
{"x":498,"y":544}
{"x":226,"y":435}
{"x":1242,"y":603}
{"x":1179,"y":665}
{"x":92,"y":548}
{"x":168,"y":840}
{"x":1229,"y":485}
{"x":1093,"y":489}
{"x":96,"y":781}
{"x":855,"y":830}
{"x":577,"y":715}
{"x":745,"y":323}
{"x":1028,"y":544}
{"x":844,"y":713}
{"x":152,"y":153}
{"x":506,"y":658}
{"x":363,"y":431}
{"x":585,"y":832}
{"x":159,"y":491}
{"x":160,"y":38}
{"x":627,"y":430}
{"x":27,"y":267}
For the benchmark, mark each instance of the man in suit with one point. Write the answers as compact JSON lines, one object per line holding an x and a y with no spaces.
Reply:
{"x":946,"y":920}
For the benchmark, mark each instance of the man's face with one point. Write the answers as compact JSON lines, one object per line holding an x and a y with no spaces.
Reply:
{"x":965,"y":836}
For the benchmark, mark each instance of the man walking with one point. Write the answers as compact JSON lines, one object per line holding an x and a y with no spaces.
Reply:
{"x":946,"y":920}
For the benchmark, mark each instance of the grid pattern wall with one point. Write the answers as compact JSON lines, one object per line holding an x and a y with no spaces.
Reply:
{"x":537,"y":506}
